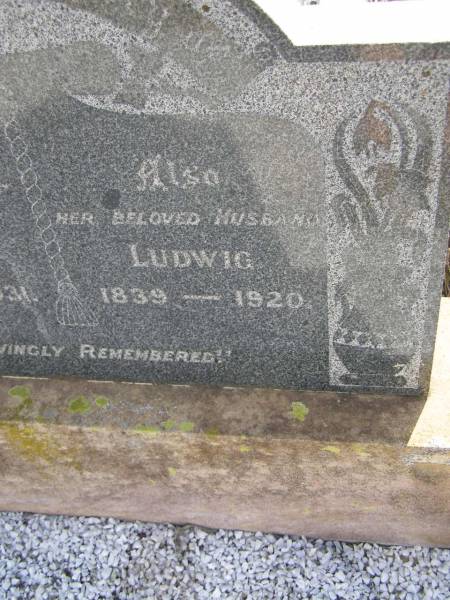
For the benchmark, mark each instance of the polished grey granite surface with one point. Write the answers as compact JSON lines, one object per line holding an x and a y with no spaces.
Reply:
{"x":188,"y":198}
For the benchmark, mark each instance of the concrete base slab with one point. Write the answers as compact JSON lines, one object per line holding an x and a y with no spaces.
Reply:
{"x":319,"y":464}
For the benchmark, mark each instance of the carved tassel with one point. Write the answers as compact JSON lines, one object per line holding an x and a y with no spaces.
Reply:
{"x":69,"y":308}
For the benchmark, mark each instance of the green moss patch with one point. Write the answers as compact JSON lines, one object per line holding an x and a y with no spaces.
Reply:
{"x":20,"y":391}
{"x":299,"y":411}
{"x":79,"y":405}
{"x":186,"y":426}
{"x":101,"y":401}
{"x":147,"y":429}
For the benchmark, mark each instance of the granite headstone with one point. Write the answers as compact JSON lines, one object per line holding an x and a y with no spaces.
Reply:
{"x":188,"y":198}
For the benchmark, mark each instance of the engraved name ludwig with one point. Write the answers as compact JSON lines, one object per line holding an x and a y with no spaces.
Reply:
{"x":383,"y":159}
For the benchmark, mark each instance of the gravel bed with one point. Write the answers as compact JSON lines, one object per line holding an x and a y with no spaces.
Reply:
{"x":71,"y":558}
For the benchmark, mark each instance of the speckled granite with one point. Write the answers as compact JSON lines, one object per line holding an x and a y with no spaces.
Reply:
{"x":187,"y":198}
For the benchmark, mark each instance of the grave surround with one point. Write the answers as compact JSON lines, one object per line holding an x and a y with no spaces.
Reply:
{"x":126,"y":131}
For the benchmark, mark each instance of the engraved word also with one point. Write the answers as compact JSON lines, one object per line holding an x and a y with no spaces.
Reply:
{"x":158,"y":173}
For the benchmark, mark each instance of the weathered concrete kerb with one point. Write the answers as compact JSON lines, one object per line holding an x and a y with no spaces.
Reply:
{"x":317,"y":464}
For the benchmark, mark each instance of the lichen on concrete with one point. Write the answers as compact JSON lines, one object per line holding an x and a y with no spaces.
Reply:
{"x":186,"y":426}
{"x":299,"y":411}
{"x":101,"y":401}
{"x":147,"y":429}
{"x":332,"y":449}
{"x":20,"y":391}
{"x":243,"y":448}
{"x":79,"y":405}
{"x":35,"y":444}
